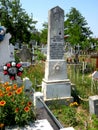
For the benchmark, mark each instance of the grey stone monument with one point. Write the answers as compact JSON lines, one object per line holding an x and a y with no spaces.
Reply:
{"x":5,"y":50}
{"x":55,"y":84}
{"x":25,"y":54}
{"x":93,"y":104}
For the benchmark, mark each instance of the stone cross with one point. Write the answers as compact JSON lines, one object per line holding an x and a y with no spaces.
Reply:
{"x":25,"y":54}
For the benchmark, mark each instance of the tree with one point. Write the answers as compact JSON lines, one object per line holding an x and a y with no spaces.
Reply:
{"x":76,"y":28}
{"x":16,"y":20}
{"x":44,"y":33}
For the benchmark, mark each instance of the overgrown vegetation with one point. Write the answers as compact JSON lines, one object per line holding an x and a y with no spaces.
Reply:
{"x":77,"y":116}
{"x":35,"y":73}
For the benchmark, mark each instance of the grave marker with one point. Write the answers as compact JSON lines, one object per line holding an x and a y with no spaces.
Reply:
{"x":55,"y":83}
{"x":93,"y":104}
{"x":5,"y":50}
{"x":25,"y":54}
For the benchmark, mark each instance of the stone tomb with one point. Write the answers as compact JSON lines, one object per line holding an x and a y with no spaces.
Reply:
{"x":55,"y":83}
{"x":37,"y":125}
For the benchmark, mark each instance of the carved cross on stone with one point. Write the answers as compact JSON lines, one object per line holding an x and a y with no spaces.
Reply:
{"x":25,"y":54}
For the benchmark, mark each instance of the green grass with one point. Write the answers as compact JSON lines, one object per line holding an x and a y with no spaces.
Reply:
{"x":78,"y":117}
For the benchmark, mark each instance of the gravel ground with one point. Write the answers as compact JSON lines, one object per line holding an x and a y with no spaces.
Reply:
{"x":43,"y":114}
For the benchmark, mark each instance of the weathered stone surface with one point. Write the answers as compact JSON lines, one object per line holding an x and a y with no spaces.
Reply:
{"x":25,"y":55}
{"x":56,"y":34}
{"x":93,"y":104}
{"x":55,"y":83}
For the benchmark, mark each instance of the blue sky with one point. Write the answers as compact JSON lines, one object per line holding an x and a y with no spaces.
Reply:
{"x":40,"y":8}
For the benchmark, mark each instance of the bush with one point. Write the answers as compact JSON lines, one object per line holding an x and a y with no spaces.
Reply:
{"x":40,"y":56}
{"x":16,"y":108}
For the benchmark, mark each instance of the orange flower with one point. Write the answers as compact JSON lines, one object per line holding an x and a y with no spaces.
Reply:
{"x":29,"y":103}
{"x":15,"y":86}
{"x":1,"y":125}
{"x":17,"y":109}
{"x":6,"y":83}
{"x":26,"y":109}
{"x":8,"y":88}
{"x":19,"y":90}
{"x":9,"y":94}
{"x":2,"y":103}
{"x":1,"y":93}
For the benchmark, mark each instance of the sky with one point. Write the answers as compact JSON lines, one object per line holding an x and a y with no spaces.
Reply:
{"x":40,"y":8}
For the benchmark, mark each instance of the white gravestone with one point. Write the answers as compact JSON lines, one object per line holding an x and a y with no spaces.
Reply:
{"x":5,"y":56}
{"x":55,"y":83}
{"x":5,"y":50}
{"x":93,"y":104}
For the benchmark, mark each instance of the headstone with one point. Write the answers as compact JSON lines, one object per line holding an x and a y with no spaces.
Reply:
{"x":37,"y":103}
{"x":25,"y":54}
{"x":93,"y":104}
{"x":16,"y":46}
{"x":27,"y":83}
{"x":55,"y":83}
{"x":28,"y":87}
{"x":5,"y":50}
{"x":25,"y":64}
{"x":95,"y":75}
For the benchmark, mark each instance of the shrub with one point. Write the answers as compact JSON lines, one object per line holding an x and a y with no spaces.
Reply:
{"x":16,"y":108}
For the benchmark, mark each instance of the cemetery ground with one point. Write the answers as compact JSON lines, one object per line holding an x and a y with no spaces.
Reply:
{"x":77,"y":113}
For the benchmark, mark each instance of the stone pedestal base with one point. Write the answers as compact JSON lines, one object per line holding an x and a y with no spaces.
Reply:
{"x":57,"y":89}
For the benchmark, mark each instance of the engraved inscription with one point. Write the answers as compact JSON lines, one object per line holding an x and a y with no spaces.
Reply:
{"x":56,"y":50}
{"x":56,"y":34}
{"x":56,"y":39}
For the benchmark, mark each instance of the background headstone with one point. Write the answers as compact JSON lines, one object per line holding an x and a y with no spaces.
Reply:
{"x":25,"y":54}
{"x":93,"y":104}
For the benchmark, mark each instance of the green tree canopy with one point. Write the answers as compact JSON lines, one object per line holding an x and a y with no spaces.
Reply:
{"x":44,"y":33}
{"x":16,"y":20}
{"x":76,"y":28}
